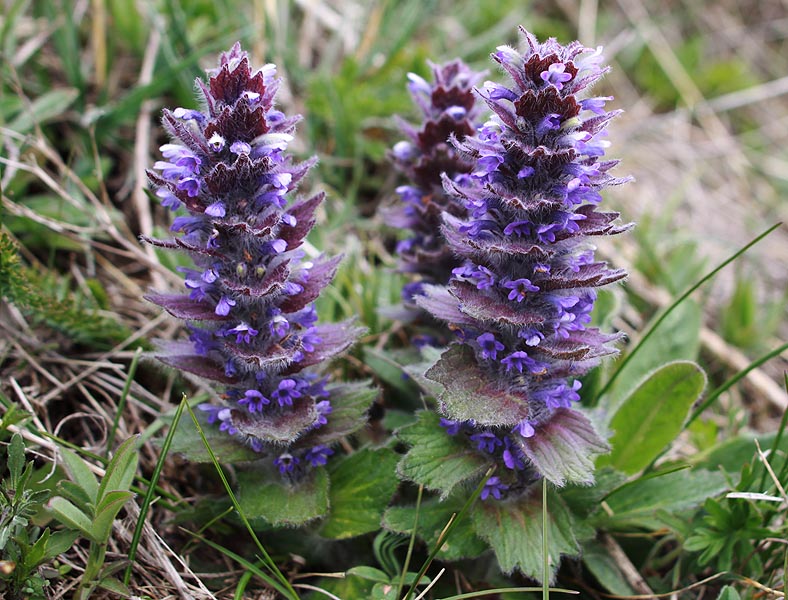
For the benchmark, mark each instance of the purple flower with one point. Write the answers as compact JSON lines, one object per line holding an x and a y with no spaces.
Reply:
{"x":286,"y":463}
{"x":286,"y":392}
{"x":489,"y":346}
{"x":521,"y":300}
{"x":493,"y":487}
{"x":451,"y":427}
{"x":318,"y":456}
{"x":512,"y":456}
{"x":450,"y":109}
{"x":486,"y":441}
{"x":519,"y":360}
{"x":254,"y":401}
{"x":555,"y":75}
{"x":244,"y":333}
{"x":224,"y":305}
{"x":520,"y":288}
{"x":248,"y":297}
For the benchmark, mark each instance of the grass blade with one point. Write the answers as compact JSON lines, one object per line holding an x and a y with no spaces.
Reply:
{"x":247,"y":565}
{"x":507,"y":591}
{"x":447,"y":530}
{"x":545,"y":546}
{"x":269,"y":562}
{"x":146,"y":501}
{"x":122,"y":403}
{"x":678,"y":301}
{"x":411,"y":543}
{"x":732,"y":380}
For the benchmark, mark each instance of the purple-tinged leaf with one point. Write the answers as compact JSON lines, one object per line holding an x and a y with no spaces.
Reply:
{"x":563,"y":448}
{"x":440,"y":303}
{"x":312,"y":281}
{"x":279,"y":427}
{"x":304,"y":214}
{"x":197,"y":365}
{"x":470,"y":394}
{"x":492,"y":310}
{"x":183,"y":307}
{"x":335,"y":338}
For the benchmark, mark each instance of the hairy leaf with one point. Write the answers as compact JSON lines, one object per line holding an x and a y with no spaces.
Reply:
{"x":470,"y":395}
{"x":436,"y":459}
{"x":563,"y":449}
{"x":362,"y":485}
{"x":279,"y":503}
{"x":433,"y":516}
{"x":514,"y":531}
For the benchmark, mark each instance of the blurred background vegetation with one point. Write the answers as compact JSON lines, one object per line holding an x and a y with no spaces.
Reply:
{"x":705,"y":134}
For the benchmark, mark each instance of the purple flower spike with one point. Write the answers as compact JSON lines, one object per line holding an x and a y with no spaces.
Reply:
{"x":450,"y":110}
{"x":521,"y":300}
{"x":248,"y":298}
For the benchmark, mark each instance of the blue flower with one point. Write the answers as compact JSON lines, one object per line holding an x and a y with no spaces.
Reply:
{"x":489,"y":346}
{"x":450,"y":110}
{"x":493,"y":487}
{"x":521,"y":299}
{"x":248,"y":297}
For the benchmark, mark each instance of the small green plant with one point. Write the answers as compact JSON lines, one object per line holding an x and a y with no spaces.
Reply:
{"x":737,"y":531}
{"x":24,"y":547}
{"x":48,"y":300}
{"x":746,"y":320}
{"x":91,"y":507}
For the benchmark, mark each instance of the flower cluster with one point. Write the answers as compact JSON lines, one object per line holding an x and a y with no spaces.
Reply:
{"x":521,"y":300}
{"x":450,"y":111}
{"x":248,"y":297}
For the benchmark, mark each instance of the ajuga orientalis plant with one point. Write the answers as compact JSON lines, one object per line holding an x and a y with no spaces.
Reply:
{"x":450,"y":110}
{"x":520,"y":302}
{"x":248,"y":296}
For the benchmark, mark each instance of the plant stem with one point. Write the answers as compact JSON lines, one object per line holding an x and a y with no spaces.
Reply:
{"x":96,"y":555}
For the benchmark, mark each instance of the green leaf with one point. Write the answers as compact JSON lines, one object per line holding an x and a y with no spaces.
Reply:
{"x":605,"y":568}
{"x":369,"y":573}
{"x":71,"y":516}
{"x":585,"y":500}
{"x":653,"y":416}
{"x":37,"y":552}
{"x":16,"y":458}
{"x":728,"y":593}
{"x":384,"y":591}
{"x":433,"y":515}
{"x":636,"y":504}
{"x":436,"y":459}
{"x":106,"y":512}
{"x":514,"y":532}
{"x":388,"y":367}
{"x":468,"y":393}
{"x":677,"y":338}
{"x":732,"y":453}
{"x":362,"y":485}
{"x":121,"y":468}
{"x":80,"y":474}
{"x":348,"y":587}
{"x":60,"y":542}
{"x":115,"y":586}
{"x":188,"y":443}
{"x":267,"y":496}
{"x":75,"y":493}
{"x":44,"y":108}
